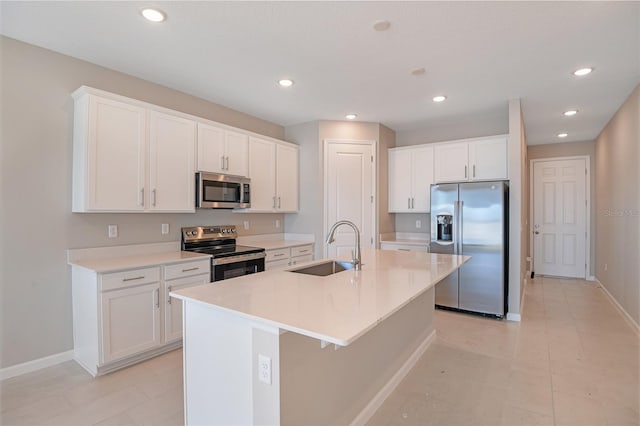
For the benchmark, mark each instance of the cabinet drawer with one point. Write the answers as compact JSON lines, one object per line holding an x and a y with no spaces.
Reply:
{"x":278,"y":254}
{"x":301,"y":251}
{"x":187,"y":269}
{"x":277,"y":264}
{"x":301,"y":259}
{"x":129,"y":278}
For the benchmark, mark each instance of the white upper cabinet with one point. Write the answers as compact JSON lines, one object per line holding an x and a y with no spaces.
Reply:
{"x":222,"y":151}
{"x":472,"y":160}
{"x":109,"y":150}
{"x":273,"y":170}
{"x":128,"y":158}
{"x":171,"y":163}
{"x":410,"y":179}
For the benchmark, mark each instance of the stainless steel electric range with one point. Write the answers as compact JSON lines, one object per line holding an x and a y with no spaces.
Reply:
{"x":229,"y":259}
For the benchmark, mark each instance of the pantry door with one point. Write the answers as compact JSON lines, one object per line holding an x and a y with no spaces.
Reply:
{"x":560,"y":217}
{"x":349,"y":194}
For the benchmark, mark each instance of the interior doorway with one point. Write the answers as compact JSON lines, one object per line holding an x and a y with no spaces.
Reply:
{"x":349,"y":186}
{"x":560,"y":239}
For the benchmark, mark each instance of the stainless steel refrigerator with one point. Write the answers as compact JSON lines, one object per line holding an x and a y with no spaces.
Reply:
{"x":472,"y":219}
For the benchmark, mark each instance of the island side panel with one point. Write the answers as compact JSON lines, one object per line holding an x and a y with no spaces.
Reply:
{"x":266,"y":396}
{"x":217,"y":367}
{"x":328,"y":386}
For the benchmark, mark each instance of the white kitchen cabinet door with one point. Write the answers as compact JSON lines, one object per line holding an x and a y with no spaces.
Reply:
{"x":109,"y":156}
{"x":171,"y":163}
{"x":422,"y":178}
{"x":222,"y":151}
{"x":173,"y":306}
{"x":130,"y":321}
{"x":286,"y":178}
{"x":262,"y":172}
{"x":211,"y":149}
{"x":410,"y":179}
{"x":451,"y":162}
{"x":400,"y":180}
{"x":488,"y":159}
{"x":237,"y":153}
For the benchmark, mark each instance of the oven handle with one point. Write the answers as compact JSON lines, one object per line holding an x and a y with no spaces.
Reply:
{"x":240,"y":258}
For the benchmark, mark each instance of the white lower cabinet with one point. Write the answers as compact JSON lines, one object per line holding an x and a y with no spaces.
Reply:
{"x":130,"y":321}
{"x":120,"y":318}
{"x":173,"y":306}
{"x":391,"y":245}
{"x":284,"y":257}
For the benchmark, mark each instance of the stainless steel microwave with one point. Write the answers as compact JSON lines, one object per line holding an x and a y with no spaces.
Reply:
{"x":218,"y":191}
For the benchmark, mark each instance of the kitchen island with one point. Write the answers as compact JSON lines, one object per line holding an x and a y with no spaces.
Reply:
{"x":282,"y":347}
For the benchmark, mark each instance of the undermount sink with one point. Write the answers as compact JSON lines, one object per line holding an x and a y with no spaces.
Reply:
{"x":324,"y":269}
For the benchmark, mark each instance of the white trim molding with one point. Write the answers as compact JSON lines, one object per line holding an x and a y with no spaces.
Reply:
{"x":377,"y":401}
{"x":634,"y":325}
{"x":36,"y":364}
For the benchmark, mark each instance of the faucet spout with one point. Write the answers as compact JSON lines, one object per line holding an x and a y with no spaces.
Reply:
{"x":357,"y":260}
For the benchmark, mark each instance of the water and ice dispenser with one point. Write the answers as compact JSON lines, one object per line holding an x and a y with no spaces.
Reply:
{"x":445,"y":227}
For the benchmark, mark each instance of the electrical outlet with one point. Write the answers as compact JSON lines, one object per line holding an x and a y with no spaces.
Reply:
{"x":165,"y":228}
{"x":113,"y":231}
{"x":418,"y":224}
{"x":277,"y":223}
{"x":246,"y":224}
{"x":264,"y":369}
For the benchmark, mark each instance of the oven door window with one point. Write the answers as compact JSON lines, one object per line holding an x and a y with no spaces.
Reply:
{"x":220,"y":192}
{"x":237,"y":269}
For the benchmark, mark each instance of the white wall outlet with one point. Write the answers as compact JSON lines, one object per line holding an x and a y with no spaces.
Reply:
{"x":165,"y":228}
{"x":418,"y":224}
{"x":246,"y":224}
{"x":264,"y":369}
{"x":277,"y":223}
{"x":113,"y":231}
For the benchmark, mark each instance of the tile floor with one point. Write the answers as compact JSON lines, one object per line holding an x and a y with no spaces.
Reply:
{"x":573,"y":360}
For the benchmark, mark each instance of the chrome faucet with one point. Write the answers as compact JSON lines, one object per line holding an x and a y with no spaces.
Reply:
{"x":357,"y":261}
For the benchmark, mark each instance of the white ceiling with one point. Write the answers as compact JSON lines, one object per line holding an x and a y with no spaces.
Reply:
{"x":479,"y":54}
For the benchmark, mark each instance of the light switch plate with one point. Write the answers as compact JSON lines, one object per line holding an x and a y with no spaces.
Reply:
{"x":418,"y":224}
{"x":246,"y":224}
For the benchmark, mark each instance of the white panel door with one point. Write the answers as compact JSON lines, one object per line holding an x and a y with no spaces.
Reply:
{"x":400,"y":180}
{"x":173,"y":306}
{"x":422,"y":178}
{"x":488,"y":159}
{"x":172,"y":143}
{"x":559,"y":218}
{"x":349,"y":179}
{"x":451,"y":162}
{"x":211,"y":150}
{"x":236,"y":153}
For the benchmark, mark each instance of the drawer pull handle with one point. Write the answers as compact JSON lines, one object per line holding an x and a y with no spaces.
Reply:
{"x":278,"y":255}
{"x":191,"y":269}
{"x":403,"y":249}
{"x":303,"y":251}
{"x":133,"y":279}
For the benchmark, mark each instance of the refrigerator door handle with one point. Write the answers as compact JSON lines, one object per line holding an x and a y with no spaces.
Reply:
{"x":454,"y":229}
{"x":460,"y":227}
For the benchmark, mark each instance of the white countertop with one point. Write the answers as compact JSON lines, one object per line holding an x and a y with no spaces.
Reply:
{"x":114,"y":264}
{"x":276,"y":241}
{"x":338,"y":308}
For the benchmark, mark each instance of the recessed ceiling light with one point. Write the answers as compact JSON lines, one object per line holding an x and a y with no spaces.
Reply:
{"x":153,"y":15}
{"x":439,"y":98}
{"x":285,"y":82}
{"x":563,"y":135}
{"x":582,"y":71}
{"x":351,"y":116}
{"x":418,"y":71}
{"x":570,"y":112}
{"x":382,"y":25}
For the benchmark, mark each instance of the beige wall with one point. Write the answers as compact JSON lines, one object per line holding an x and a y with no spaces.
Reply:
{"x":618,"y":206}
{"x":37,"y":225}
{"x":386,"y":220}
{"x":569,"y":149}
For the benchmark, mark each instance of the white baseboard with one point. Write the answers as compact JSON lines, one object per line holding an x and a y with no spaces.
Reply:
{"x":625,"y":314}
{"x":36,"y":364}
{"x":592,"y":278}
{"x":377,"y":401}
{"x":513,"y":317}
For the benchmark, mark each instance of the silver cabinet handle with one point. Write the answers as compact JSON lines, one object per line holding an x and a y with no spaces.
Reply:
{"x":222,"y":162}
{"x":412,"y":203}
{"x":190,"y":269}
{"x":408,"y":203}
{"x":142,"y":197}
{"x":278,"y":255}
{"x":168,"y":297}
{"x":474,"y":170}
{"x":465,"y":172}
{"x":403,"y":249}
{"x":303,"y":251}
{"x":133,"y":279}
{"x":157,"y":294}
{"x":274,"y":202}
{"x":278,"y":202}
{"x":154,"y":197}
